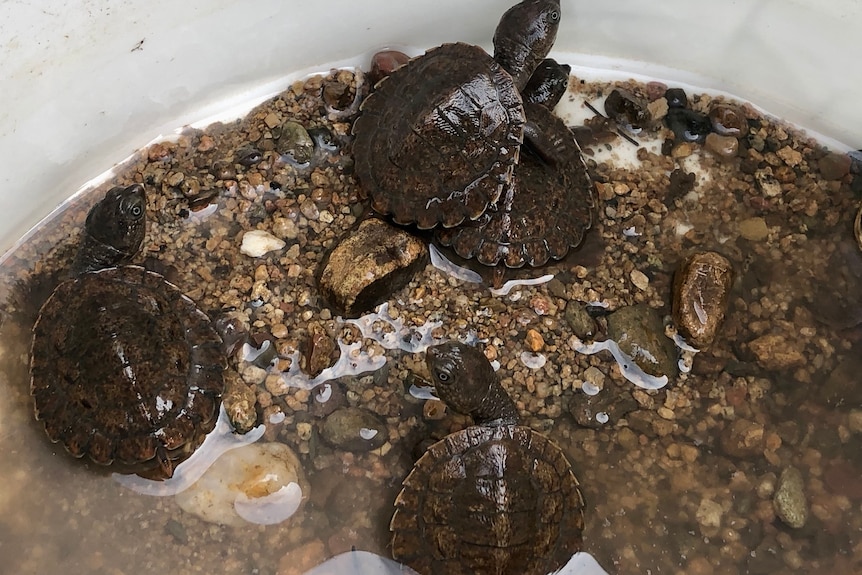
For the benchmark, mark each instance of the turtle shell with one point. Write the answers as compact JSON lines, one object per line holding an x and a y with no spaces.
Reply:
{"x":125,"y":369}
{"x":544,"y":212}
{"x":438,"y":139}
{"x":489,"y":499}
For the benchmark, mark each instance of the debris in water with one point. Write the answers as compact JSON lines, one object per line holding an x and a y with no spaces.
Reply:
{"x":511,"y":284}
{"x":628,"y":367}
{"x":411,"y":340}
{"x":533,"y":360}
{"x":442,"y":263}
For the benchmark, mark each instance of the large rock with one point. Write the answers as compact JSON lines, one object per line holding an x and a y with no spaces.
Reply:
{"x":701,"y":291}
{"x":639,"y":331}
{"x":370,"y":263}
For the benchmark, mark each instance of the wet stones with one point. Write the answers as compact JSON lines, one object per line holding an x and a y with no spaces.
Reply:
{"x":354,"y":429}
{"x":775,"y":351}
{"x":295,"y":144}
{"x":239,"y":403}
{"x":639,"y":332}
{"x":320,"y":349}
{"x":701,"y":291}
{"x":728,"y":120}
{"x":368,"y":265}
{"x":789,"y":500}
{"x":725,"y":147}
{"x":742,"y":439}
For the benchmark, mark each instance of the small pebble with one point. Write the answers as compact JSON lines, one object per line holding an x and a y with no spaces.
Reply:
{"x":834,"y":166}
{"x":256,"y":243}
{"x":754,"y":229}
{"x":639,"y":279}
{"x":725,"y":147}
{"x":791,"y":505}
{"x":535,"y":342}
{"x":433,"y":410}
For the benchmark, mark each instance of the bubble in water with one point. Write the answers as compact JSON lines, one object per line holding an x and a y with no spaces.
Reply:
{"x":533,"y":360}
{"x":590,"y":388}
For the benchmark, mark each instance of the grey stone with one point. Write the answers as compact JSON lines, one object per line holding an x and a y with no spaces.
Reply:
{"x":354,"y":429}
{"x":789,"y":500}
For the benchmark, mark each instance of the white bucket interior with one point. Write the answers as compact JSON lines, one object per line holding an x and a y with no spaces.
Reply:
{"x":86,"y":82}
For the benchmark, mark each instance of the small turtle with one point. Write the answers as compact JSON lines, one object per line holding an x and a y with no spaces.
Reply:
{"x":437,"y":141}
{"x":548,"y":206}
{"x":495,"y":498}
{"x":124,"y":368}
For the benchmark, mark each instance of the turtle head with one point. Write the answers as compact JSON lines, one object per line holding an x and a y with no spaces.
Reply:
{"x":524,"y":37}
{"x":114,"y":230}
{"x":465,"y":380}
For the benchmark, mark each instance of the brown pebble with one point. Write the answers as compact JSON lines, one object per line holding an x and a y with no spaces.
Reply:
{"x":834,"y":166}
{"x":206,"y":143}
{"x":742,"y":438}
{"x":774,"y":351}
{"x":433,"y":410}
{"x":655,"y":90}
{"x":725,"y":147}
{"x":535,"y":341}
{"x":701,"y":291}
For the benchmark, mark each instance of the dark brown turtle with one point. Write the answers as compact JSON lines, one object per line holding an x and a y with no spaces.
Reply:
{"x":495,"y":498}
{"x":438,"y":139}
{"x":548,"y":206}
{"x":124,"y":368}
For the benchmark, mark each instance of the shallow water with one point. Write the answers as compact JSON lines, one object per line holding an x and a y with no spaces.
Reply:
{"x":677,"y":480}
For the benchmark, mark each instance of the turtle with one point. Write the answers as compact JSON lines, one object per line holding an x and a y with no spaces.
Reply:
{"x":124,"y":368}
{"x":438,"y":139}
{"x":548,"y":206}
{"x":494,"y":498}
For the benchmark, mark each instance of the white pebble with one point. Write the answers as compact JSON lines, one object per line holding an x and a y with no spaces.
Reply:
{"x":255,"y":243}
{"x":257,"y":483}
{"x":639,"y":279}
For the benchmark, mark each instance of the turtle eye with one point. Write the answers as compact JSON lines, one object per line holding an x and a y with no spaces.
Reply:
{"x":442,"y":376}
{"x":136,"y":211}
{"x":554,"y":15}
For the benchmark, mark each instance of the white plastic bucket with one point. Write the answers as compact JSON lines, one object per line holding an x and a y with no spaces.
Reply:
{"x":86,"y":82}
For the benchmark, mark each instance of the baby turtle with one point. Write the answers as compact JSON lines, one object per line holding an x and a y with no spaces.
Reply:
{"x":124,"y":368}
{"x":437,"y":141}
{"x":548,"y":206}
{"x":495,"y":498}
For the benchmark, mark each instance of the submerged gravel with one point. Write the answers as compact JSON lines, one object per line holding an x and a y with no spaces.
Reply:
{"x":697,"y":477}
